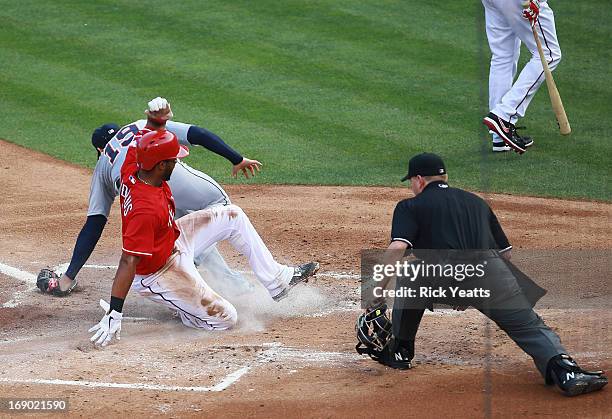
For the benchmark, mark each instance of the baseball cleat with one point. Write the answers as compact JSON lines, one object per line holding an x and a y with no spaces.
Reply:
{"x":573,"y":380}
{"x":527,"y":141}
{"x":506,"y":132}
{"x":301,"y":274}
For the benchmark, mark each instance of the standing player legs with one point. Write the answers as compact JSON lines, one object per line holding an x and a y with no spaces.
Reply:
{"x":505,"y":50}
{"x":515,"y":102}
{"x":202,"y":229}
{"x":179,"y":286}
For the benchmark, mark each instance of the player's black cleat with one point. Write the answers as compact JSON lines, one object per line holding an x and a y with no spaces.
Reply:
{"x":527,"y":141}
{"x":506,"y":131}
{"x":396,"y":356}
{"x":301,"y":273}
{"x":571,"y":379}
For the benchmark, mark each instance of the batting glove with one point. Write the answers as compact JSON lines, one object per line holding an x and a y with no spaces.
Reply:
{"x":159,"y":109}
{"x":158,"y":104}
{"x":109,"y":326}
{"x":531,"y":11}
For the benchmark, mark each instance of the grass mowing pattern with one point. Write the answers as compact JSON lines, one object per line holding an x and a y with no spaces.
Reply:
{"x":323,"y":92}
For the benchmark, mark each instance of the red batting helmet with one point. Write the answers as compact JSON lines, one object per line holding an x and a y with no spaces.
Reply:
{"x":156,"y":146}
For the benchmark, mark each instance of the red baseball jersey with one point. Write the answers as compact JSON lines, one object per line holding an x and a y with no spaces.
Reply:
{"x":147,"y":216}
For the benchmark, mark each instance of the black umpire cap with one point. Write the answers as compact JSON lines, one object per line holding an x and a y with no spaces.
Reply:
{"x":425,"y":164}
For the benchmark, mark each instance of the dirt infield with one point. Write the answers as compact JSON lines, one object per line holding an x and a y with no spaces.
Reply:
{"x":294,"y":358}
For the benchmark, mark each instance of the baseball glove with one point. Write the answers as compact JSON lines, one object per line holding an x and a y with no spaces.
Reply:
{"x":48,"y":282}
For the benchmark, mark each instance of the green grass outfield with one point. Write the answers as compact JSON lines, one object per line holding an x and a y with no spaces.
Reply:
{"x":322,"y":92}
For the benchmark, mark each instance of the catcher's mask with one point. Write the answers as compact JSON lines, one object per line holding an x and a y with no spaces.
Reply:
{"x":373,"y":331}
{"x":102,"y":135}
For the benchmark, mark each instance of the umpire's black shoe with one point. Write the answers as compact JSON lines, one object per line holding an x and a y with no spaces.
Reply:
{"x":573,"y":380}
{"x":506,"y":131}
{"x":300,"y":274}
{"x":396,"y":356}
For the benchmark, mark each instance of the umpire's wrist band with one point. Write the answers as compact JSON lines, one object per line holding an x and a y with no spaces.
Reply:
{"x":116,"y":304}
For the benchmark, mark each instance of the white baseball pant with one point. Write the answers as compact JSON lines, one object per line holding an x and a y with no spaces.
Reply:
{"x":506,"y":29}
{"x":179,"y":285}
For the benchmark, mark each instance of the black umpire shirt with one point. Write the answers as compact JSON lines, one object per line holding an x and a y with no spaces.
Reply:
{"x":441,"y":217}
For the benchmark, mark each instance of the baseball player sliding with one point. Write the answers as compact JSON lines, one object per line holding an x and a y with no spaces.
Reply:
{"x":158,"y":252}
{"x":508,"y":23}
{"x":192,"y":189}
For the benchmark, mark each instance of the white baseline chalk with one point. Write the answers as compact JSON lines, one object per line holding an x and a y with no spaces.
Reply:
{"x":61,"y":268}
{"x":18,"y":274}
{"x":30,"y":279}
{"x":275,"y":351}
{"x":24,"y":276}
{"x":225,"y":383}
{"x":222,"y":385}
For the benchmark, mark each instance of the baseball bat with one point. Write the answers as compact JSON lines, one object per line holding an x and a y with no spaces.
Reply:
{"x":555,"y":98}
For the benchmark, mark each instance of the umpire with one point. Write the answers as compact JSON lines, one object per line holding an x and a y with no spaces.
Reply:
{"x":449,"y":219}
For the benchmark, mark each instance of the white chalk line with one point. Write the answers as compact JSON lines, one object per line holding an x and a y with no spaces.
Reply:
{"x":275,"y":352}
{"x":295,"y":355}
{"x":61,"y":268}
{"x":30,"y":279}
{"x":18,"y":274}
{"x":226,"y":382}
{"x":27,"y":277}
{"x":222,"y":385}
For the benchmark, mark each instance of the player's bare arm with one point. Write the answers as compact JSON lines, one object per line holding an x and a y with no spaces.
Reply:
{"x":110,"y":325}
{"x":124,"y":276}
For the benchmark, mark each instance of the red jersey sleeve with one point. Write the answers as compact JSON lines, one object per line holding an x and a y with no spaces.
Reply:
{"x":129,"y":165}
{"x":138,"y":237}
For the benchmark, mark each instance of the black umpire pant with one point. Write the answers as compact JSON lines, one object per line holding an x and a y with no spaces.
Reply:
{"x":513,"y":314}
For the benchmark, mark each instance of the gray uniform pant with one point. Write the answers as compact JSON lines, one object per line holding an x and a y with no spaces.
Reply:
{"x":194,"y":190}
{"x":523,"y":326}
